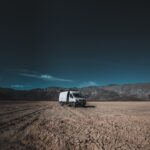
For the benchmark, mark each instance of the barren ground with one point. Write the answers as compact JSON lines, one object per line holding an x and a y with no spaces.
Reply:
{"x":100,"y":125}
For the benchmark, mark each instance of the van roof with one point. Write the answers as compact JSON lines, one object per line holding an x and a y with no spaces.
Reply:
{"x":71,"y":91}
{"x":74,"y":91}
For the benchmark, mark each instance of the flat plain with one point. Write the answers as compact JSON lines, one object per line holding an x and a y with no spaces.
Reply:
{"x":44,"y":125}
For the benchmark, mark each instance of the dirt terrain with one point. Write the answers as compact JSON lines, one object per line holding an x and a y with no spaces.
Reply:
{"x":98,"y":126}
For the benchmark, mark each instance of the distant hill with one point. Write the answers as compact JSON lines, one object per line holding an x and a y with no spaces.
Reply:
{"x":119,"y":92}
{"x":111,"y":92}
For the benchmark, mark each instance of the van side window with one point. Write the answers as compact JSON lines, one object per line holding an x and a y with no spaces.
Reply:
{"x":71,"y":96}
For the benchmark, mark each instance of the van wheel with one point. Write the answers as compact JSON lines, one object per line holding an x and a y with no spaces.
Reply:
{"x":61,"y":103}
{"x":74,"y":104}
{"x":83,"y":105}
{"x":70,"y":105}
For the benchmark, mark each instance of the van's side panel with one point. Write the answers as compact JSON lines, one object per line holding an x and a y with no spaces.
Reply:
{"x":63,"y":97}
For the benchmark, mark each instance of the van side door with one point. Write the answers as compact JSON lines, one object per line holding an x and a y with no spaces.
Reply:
{"x":71,"y":97}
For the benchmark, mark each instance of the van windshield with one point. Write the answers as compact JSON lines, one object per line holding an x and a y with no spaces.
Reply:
{"x":78,"y":95}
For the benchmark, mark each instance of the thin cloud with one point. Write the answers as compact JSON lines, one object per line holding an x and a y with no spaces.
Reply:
{"x":29,"y":75}
{"x":17,"y":86}
{"x":45,"y":77}
{"x":89,"y":83}
{"x":23,"y":71}
{"x":49,"y":77}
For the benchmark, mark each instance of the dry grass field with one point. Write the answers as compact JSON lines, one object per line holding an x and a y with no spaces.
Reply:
{"x":99,"y":126}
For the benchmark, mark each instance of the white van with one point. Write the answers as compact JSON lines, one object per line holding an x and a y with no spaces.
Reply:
{"x":72,"y":98}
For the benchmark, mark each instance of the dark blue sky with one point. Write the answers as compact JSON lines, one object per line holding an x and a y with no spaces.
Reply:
{"x":64,"y":43}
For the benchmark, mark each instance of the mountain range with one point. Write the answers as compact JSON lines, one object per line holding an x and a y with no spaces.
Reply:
{"x":125,"y":92}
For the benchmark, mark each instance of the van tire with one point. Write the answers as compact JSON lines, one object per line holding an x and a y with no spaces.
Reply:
{"x":74,"y":104}
{"x":61,"y":103}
